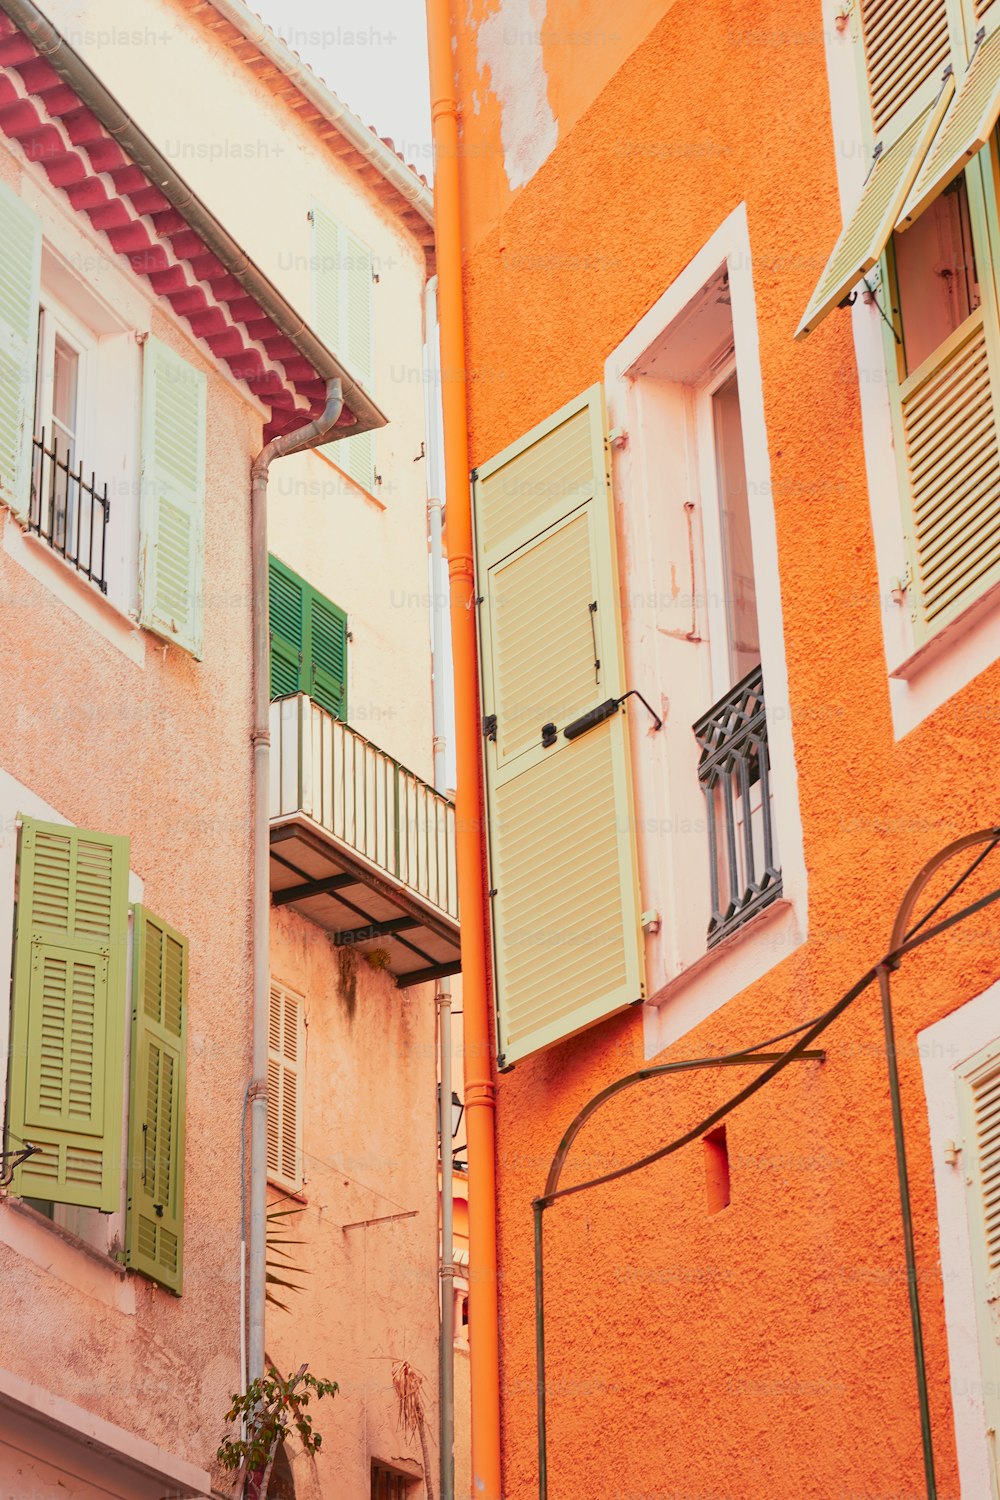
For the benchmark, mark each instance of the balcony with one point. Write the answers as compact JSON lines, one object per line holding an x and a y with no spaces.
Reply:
{"x":68,"y":512}
{"x":360,"y":845}
{"x":734,"y":773}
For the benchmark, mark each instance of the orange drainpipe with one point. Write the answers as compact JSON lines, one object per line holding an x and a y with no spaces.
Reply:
{"x":480,"y":1099}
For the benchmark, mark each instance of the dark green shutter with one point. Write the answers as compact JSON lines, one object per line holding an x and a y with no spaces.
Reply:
{"x":68,"y":1014}
{"x":286,"y":603}
{"x":308,"y":641}
{"x":154,"y":1233}
{"x":328,"y":642}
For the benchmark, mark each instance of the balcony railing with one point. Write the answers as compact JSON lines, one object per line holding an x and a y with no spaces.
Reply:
{"x":734,"y":772}
{"x":67,"y":511}
{"x":361,"y":844}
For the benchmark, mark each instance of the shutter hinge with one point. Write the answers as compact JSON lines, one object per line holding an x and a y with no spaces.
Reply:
{"x":490,"y":726}
{"x":901,"y":585}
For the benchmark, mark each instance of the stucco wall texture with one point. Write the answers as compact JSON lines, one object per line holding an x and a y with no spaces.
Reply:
{"x":159,"y":753}
{"x":369,"y":1292}
{"x":763,"y":1351}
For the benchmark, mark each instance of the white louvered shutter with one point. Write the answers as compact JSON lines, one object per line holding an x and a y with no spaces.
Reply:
{"x":284,"y":1087}
{"x":20,"y":261}
{"x":343,"y":315}
{"x":172,"y":511}
{"x":566,"y":936}
{"x":979,"y":1104}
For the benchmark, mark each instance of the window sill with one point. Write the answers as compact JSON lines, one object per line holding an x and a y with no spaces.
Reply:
{"x":715,"y":977}
{"x":72,"y":589}
{"x":916,"y":661}
{"x":65,"y":1256}
{"x":294,"y":1195}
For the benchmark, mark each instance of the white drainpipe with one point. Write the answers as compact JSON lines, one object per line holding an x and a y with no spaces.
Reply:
{"x":310,"y":436}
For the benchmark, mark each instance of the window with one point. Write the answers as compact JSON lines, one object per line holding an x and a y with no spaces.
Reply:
{"x":390,"y":1484}
{"x":343,"y":317}
{"x":285,"y":1059}
{"x":927,"y":220}
{"x":308,"y":641}
{"x":978,"y":1083}
{"x":67,"y":1086}
{"x":70,"y":462}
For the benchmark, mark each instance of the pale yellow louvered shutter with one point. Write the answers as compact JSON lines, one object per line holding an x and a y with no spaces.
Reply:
{"x":868,"y":230}
{"x":284,"y":1087}
{"x":979,"y":1104}
{"x":566,"y":935}
{"x":906,"y":48}
{"x":966,"y":128}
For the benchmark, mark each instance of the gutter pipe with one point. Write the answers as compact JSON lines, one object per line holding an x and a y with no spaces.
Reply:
{"x":322,"y":430}
{"x":480,"y":1097}
{"x":446,"y":1363}
{"x":119,"y":124}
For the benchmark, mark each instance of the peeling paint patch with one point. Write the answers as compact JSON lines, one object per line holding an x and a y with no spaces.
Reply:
{"x":510,"y":45}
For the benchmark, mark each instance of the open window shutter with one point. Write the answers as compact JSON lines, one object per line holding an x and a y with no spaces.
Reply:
{"x":68,"y":1014}
{"x":979,"y":1103}
{"x":20,"y":258}
{"x":284,"y":1088}
{"x":286,"y":611}
{"x":155,"y":1228}
{"x":328,"y":655}
{"x":566,"y":935}
{"x":328,"y":270}
{"x":172,"y":520}
{"x":868,"y":231}
{"x":966,"y":129}
{"x":906,"y":48}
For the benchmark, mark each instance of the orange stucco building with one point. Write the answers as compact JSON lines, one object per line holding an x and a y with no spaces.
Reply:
{"x":789,"y":548}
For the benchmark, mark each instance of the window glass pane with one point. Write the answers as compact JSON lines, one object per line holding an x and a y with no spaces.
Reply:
{"x":65,"y":373}
{"x":741,"y":597}
{"x":936,"y":274}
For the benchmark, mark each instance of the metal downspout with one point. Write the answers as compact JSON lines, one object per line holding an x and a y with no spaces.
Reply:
{"x":446,"y":1363}
{"x":480,"y":1098}
{"x":310,"y":436}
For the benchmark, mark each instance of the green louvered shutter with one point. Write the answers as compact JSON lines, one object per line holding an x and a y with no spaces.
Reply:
{"x":20,"y":261}
{"x":286,"y":607}
{"x":343,"y":318}
{"x":172,"y":519}
{"x":155,"y":1228}
{"x":568,"y":948}
{"x":68,"y":1014}
{"x":328,"y":655}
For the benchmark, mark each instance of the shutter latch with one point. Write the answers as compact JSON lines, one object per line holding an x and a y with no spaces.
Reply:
{"x":490,"y":726}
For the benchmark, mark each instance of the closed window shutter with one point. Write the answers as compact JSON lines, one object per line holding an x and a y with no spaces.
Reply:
{"x":870,"y":227}
{"x":155,"y":1227}
{"x":68,"y":1014}
{"x":284,"y":1088}
{"x":965,"y":130}
{"x":172,"y":519}
{"x":20,"y":257}
{"x":328,"y":643}
{"x":906,"y":48}
{"x":344,"y":320}
{"x":286,"y":608}
{"x":566,"y":935}
{"x":979,"y":1103}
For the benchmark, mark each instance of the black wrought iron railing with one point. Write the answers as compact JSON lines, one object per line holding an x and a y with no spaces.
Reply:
{"x":735,"y":775}
{"x":67,"y":511}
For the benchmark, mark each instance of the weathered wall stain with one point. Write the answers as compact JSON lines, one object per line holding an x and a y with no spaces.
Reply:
{"x":510,"y":46}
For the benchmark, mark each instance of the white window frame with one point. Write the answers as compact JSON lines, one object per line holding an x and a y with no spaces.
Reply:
{"x":921,"y":678}
{"x":945,"y":1048}
{"x":686,"y":984}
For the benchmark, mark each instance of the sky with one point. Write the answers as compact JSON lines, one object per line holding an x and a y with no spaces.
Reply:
{"x":373,"y":56}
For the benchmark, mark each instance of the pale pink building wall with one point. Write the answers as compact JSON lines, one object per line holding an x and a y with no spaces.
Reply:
{"x":156,"y":748}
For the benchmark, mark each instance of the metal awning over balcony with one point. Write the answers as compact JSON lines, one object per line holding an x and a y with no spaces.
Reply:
{"x":361,"y":845}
